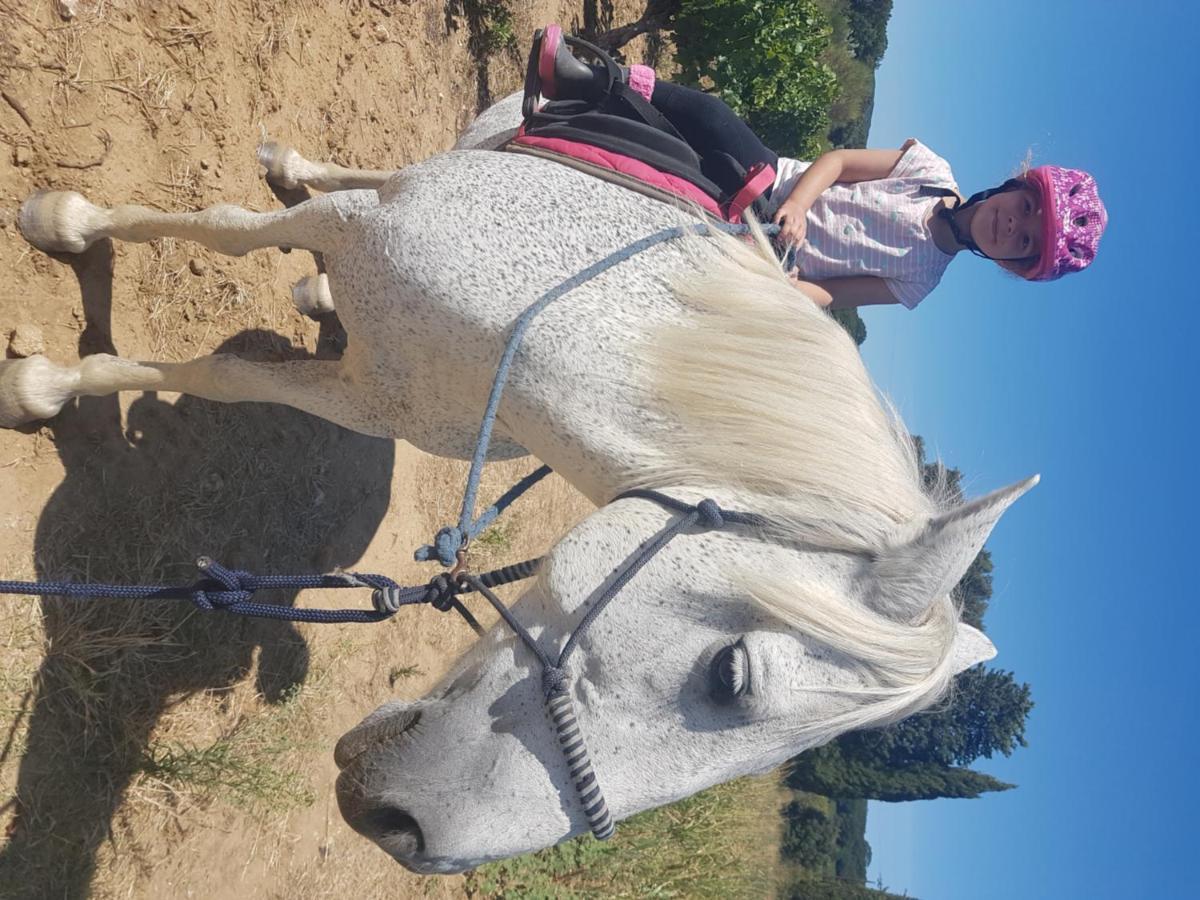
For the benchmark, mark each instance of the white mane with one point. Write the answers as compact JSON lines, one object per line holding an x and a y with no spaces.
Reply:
{"x":775,"y":402}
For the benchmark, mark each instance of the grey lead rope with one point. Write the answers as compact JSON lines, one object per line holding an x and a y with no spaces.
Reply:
{"x":555,"y":685}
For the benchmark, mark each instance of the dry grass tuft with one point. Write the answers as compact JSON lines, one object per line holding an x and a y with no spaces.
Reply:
{"x":217,"y":300}
{"x":282,"y":31}
{"x":194,"y":35}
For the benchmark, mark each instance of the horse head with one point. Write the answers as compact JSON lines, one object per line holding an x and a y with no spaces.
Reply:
{"x":726,"y":654}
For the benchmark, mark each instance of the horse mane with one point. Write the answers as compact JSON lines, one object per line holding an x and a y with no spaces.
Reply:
{"x":774,"y":402}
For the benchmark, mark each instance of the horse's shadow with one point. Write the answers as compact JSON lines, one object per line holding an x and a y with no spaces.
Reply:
{"x":254,"y":486}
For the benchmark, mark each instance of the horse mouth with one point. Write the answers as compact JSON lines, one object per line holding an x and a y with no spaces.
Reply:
{"x":388,"y":722}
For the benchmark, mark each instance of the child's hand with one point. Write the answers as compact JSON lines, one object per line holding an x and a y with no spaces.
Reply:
{"x":791,"y":219}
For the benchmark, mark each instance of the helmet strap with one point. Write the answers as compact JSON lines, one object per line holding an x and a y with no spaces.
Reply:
{"x":947,"y":214}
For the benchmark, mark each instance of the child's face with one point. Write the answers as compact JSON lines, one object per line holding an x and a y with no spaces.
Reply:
{"x":1009,"y":225}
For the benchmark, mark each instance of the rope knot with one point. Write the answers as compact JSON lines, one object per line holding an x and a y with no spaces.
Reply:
{"x":386,"y":600}
{"x":710,"y":514}
{"x":238,"y":587}
{"x":554,"y":681}
{"x":441,"y":592}
{"x":446,"y":543}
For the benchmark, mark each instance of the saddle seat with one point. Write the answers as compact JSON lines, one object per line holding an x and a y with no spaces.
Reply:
{"x":622,"y":139}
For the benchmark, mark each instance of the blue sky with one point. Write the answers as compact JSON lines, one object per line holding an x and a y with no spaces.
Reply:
{"x":1089,"y":381}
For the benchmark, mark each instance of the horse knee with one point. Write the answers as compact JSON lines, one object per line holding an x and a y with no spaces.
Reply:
{"x":284,"y":166}
{"x":61,"y":221}
{"x":311,"y":295}
{"x":32,"y":389}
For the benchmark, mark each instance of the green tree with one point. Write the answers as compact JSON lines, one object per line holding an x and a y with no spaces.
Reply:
{"x":853,"y":851}
{"x":765,"y":61}
{"x":815,"y":888}
{"x":937,"y":472}
{"x":924,"y":756}
{"x":828,"y":771}
{"x":986,"y":715}
{"x":868,"y":20}
{"x":974,"y":589}
{"x":852,"y":322}
{"x":808,"y":835}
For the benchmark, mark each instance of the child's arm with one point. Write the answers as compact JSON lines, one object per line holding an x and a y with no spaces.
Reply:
{"x":847,"y":166}
{"x":842,"y":293}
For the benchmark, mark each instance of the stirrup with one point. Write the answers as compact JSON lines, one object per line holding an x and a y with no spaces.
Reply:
{"x":553,"y":38}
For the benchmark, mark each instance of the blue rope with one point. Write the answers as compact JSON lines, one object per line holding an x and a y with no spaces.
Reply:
{"x":450,"y":539}
{"x":228,"y":590}
{"x":232,"y":591}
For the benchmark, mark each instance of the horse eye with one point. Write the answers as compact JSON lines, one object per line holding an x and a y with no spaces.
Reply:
{"x":729,"y":672}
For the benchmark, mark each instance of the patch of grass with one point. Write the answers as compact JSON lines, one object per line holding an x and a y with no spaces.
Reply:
{"x":495,"y":546}
{"x":246,"y":766}
{"x":497,"y":537}
{"x":495,"y":543}
{"x":492,"y":25}
{"x":500,"y":34}
{"x":720,"y":843}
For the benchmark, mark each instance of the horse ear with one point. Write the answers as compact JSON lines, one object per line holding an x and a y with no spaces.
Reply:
{"x":911,"y":575}
{"x":971,"y":647}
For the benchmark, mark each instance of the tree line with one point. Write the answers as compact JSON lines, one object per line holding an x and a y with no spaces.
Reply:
{"x":924,"y":757}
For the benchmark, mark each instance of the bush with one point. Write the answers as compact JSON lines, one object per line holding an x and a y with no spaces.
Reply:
{"x":765,"y":61}
{"x":808,"y":836}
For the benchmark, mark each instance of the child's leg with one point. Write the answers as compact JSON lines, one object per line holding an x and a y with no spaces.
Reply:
{"x":708,"y":125}
{"x":705,"y":122}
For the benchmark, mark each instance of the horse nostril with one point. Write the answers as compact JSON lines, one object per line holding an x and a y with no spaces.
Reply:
{"x":393,"y":829}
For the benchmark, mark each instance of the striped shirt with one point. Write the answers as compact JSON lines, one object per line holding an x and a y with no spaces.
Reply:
{"x":876,"y":227}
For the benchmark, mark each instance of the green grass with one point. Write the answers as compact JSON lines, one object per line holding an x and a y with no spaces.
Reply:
{"x":491,"y":24}
{"x":720,"y":843}
{"x":249,"y":766}
{"x":496,"y":538}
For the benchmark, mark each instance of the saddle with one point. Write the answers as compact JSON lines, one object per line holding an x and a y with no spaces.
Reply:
{"x":621,"y":138}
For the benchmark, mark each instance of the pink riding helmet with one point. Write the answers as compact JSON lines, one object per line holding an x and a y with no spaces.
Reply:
{"x":1073,"y":219}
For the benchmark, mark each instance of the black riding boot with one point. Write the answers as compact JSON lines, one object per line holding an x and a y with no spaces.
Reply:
{"x":569,"y":78}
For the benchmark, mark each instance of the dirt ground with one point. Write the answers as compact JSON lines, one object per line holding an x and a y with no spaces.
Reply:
{"x":155,"y":751}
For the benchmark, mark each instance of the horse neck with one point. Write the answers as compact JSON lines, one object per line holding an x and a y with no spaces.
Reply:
{"x":598,"y":440}
{"x":582,"y":394}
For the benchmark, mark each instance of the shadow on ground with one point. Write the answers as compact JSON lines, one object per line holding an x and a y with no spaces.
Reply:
{"x":257,"y":487}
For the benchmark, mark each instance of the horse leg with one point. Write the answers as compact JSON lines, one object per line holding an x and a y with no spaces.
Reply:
{"x":288,"y":169}
{"x":35,"y":388}
{"x":63,"y":221}
{"x":311,"y":295}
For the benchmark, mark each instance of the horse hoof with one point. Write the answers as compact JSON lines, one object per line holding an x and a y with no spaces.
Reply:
{"x":284,"y":167}
{"x":27,"y":390}
{"x":311,"y":295}
{"x":60,"y":221}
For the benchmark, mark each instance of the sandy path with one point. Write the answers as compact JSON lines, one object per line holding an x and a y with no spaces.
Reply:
{"x":156,"y":752}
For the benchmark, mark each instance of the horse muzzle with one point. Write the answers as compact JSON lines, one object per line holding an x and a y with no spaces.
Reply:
{"x":392,"y":828}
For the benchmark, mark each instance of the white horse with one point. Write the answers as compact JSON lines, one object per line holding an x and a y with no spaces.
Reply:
{"x":693,"y":368}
